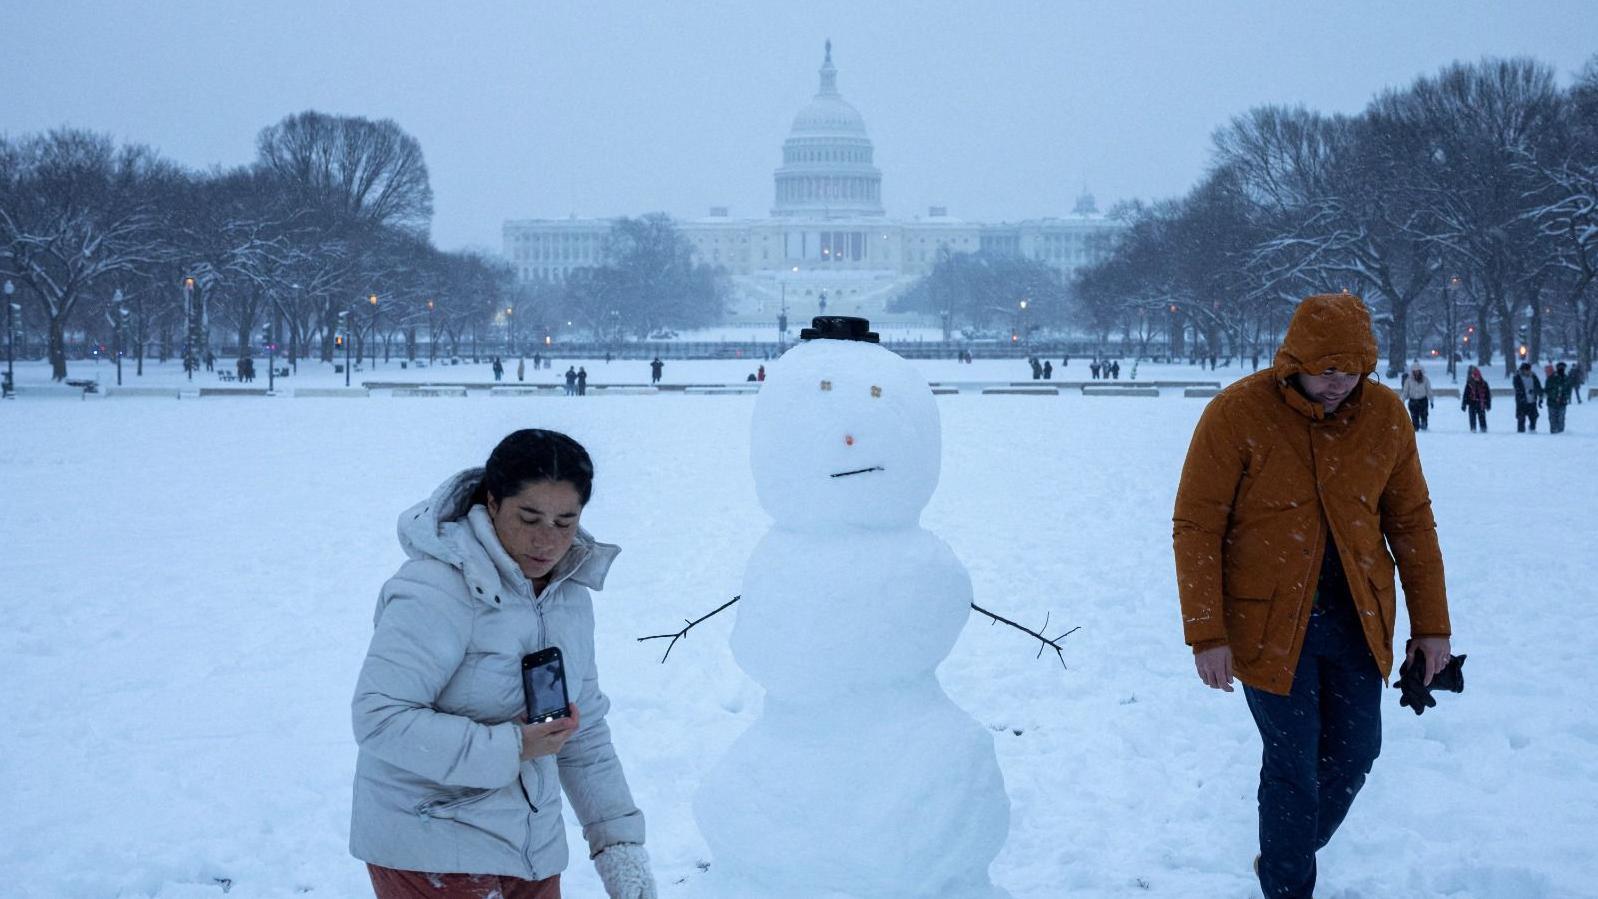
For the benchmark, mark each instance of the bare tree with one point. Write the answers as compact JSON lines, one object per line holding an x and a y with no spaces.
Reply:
{"x":350,"y":171}
{"x":1486,"y":127}
{"x":76,"y":214}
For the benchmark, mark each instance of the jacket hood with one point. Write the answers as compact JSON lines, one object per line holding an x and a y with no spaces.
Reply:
{"x":1328,"y":330}
{"x":443,"y":527}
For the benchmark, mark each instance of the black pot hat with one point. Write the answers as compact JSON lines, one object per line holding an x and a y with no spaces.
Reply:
{"x":839,"y":327}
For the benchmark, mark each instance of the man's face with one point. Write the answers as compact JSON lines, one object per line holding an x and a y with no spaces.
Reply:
{"x":1329,"y":388}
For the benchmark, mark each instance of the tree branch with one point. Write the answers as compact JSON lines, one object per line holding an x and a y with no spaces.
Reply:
{"x":684,"y":632}
{"x":1045,"y":642}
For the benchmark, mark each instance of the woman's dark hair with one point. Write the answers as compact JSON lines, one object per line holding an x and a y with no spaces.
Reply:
{"x":532,"y":455}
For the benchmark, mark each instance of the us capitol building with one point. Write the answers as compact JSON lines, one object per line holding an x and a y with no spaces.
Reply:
{"x":828,"y":245}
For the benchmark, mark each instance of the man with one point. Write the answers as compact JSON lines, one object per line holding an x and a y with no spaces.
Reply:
{"x":1417,"y":393}
{"x":1299,"y":480}
{"x":1557,"y":391}
{"x":655,"y":368}
{"x":1528,"y":396}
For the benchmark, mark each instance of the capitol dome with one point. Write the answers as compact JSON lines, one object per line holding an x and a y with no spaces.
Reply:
{"x":827,"y":169}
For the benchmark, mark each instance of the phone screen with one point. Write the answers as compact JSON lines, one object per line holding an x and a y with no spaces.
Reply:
{"x":545,"y":685}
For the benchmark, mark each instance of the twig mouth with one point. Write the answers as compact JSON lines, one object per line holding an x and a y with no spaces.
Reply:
{"x":844,"y":474}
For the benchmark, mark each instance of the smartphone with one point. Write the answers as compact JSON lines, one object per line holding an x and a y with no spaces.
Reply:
{"x":544,"y":683}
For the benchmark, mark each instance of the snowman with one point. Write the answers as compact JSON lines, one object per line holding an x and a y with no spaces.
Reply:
{"x":860,"y":778}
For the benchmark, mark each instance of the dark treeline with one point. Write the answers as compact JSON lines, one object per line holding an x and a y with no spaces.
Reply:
{"x":983,"y":292}
{"x":324,"y":235}
{"x":1464,"y":208}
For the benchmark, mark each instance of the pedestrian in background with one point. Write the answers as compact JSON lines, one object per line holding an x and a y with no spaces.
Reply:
{"x":571,"y":381}
{"x":655,"y":368}
{"x":1557,"y":391}
{"x":1417,"y":394}
{"x":1578,"y":377}
{"x":582,"y":381}
{"x":1476,"y":399}
{"x":1528,"y":397}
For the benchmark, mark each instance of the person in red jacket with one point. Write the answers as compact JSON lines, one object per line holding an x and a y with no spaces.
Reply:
{"x":1476,"y":399}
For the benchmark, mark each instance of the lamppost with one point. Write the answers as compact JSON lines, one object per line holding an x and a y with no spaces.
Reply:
{"x":191,"y":357}
{"x":294,"y":336}
{"x":11,"y":339}
{"x":432,"y":332}
{"x":947,"y":315}
{"x":121,"y":326}
{"x":1020,"y":320}
{"x":510,"y":331}
{"x":344,"y":335}
{"x":1448,"y":318}
{"x":823,"y":303}
{"x":373,"y":300}
{"x":782,"y":314}
{"x":271,"y":357}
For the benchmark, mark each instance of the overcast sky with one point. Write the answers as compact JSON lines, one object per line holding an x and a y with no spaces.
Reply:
{"x":526,"y":109}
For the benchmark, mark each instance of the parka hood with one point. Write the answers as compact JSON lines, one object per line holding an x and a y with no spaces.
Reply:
{"x":441,"y":527}
{"x":1328,"y":330}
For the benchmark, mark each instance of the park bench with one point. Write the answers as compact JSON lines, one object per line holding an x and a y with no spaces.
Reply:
{"x":225,"y":375}
{"x":85,"y":385}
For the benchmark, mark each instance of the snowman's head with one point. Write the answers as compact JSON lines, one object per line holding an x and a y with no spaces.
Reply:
{"x":845,"y":433}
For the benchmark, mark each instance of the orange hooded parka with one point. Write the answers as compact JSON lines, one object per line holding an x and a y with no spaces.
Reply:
{"x":1271,"y":476}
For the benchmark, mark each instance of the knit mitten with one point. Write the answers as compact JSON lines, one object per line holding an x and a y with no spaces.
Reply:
{"x":624,"y":869}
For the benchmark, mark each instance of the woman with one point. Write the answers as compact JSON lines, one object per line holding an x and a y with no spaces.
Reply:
{"x":1476,"y":399}
{"x":455,"y":795}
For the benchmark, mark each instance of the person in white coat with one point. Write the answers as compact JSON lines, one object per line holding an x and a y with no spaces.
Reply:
{"x":456,"y":795}
{"x":1417,"y":395}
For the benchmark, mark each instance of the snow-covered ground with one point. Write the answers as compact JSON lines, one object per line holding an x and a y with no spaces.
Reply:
{"x":187,"y":588}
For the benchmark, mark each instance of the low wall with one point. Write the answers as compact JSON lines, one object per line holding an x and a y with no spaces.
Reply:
{"x":1091,"y":390}
{"x":331,"y":391}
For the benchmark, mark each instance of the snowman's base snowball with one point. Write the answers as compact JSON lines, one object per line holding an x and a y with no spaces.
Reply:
{"x":889,"y":793}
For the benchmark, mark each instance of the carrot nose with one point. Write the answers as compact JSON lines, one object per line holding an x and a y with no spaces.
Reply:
{"x":848,"y":440}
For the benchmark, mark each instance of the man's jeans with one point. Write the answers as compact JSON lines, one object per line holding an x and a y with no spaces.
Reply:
{"x":1320,"y":742}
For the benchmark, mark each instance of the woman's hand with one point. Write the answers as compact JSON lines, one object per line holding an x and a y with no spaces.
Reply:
{"x":548,"y":738}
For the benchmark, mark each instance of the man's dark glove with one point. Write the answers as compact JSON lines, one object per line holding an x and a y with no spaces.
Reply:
{"x":1417,"y":695}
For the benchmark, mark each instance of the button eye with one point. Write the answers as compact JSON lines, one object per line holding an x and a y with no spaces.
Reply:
{"x":826,"y":385}
{"x":876,"y":391}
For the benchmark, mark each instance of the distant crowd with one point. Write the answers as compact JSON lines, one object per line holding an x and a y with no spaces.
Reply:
{"x":1553,"y":391}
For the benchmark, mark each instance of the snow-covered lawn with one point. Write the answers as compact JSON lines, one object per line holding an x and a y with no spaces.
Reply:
{"x":187,"y":588}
